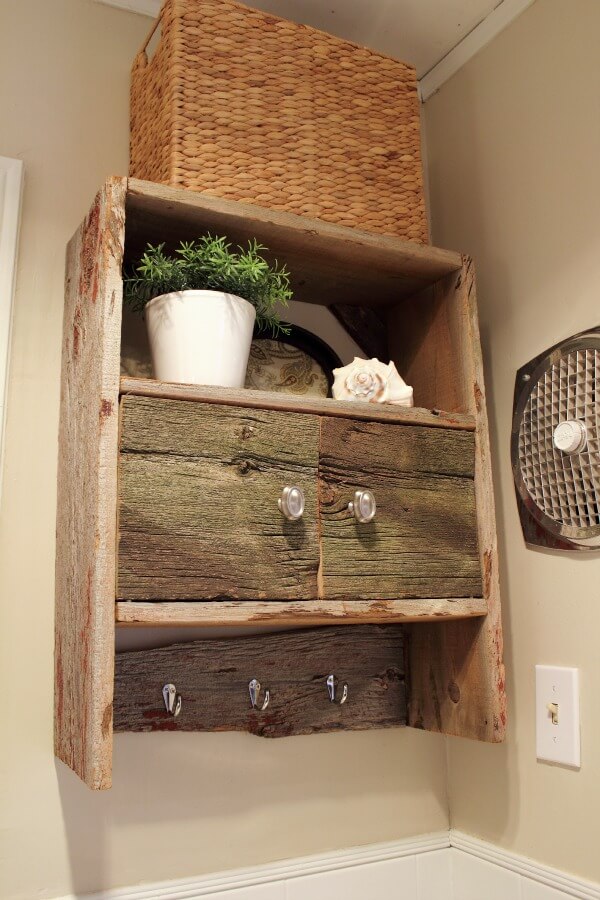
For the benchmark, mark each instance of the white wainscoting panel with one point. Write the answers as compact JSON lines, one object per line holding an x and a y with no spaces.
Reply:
{"x":259,"y":892}
{"x":434,"y":875}
{"x":395,"y":878}
{"x":476,"y":879}
{"x":533,"y":890}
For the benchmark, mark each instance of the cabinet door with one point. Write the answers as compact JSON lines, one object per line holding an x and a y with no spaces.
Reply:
{"x":422,"y":541}
{"x":198,"y":512}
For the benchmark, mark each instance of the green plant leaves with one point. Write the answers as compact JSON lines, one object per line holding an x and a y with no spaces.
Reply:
{"x":209,"y":263}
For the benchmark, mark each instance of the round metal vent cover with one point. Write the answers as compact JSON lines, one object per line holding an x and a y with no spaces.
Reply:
{"x":556,"y":440}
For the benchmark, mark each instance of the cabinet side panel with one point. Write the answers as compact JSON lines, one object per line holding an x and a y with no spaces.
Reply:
{"x":455,"y":669}
{"x":87,"y":475}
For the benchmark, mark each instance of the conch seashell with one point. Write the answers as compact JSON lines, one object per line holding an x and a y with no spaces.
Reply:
{"x":371,"y":381}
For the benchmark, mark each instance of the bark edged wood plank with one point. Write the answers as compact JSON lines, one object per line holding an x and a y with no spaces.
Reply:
{"x":87,"y":488}
{"x":212,"y":678}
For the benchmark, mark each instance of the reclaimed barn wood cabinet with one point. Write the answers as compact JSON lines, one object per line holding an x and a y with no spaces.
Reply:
{"x":168,"y":499}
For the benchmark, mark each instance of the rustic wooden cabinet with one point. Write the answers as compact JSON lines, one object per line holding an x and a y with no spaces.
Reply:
{"x":167,"y":496}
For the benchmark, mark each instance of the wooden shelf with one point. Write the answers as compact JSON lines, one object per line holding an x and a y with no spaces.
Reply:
{"x":302,"y":614}
{"x":329,"y":264}
{"x":373,"y":412}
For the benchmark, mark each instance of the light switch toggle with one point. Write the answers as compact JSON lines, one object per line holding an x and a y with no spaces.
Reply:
{"x":553,"y":710}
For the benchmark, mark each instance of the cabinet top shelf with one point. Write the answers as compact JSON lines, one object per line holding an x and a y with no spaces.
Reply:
{"x":374,"y":412}
{"x":329,"y":264}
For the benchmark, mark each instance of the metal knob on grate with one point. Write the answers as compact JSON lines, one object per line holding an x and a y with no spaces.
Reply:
{"x":556,"y":440}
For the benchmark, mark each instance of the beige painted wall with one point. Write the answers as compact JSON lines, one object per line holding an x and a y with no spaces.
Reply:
{"x":181,"y":804}
{"x":514,"y":151}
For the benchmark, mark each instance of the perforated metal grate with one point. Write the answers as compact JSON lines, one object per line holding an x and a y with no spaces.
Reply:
{"x":566,"y":488}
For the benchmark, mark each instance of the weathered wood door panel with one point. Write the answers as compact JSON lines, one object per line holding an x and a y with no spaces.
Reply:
{"x":198,"y":514}
{"x":423,"y":540}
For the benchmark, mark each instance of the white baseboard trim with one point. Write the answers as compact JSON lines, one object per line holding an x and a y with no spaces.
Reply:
{"x":459,"y":844}
{"x":527,"y":868}
{"x":191,"y":888}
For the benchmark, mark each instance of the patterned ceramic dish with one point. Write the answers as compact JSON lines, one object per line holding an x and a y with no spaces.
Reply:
{"x":298,"y":363}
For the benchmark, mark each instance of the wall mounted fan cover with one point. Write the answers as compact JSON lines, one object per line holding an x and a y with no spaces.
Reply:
{"x":555,"y":445}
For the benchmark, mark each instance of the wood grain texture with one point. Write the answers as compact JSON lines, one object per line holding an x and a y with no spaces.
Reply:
{"x":212,"y":678}
{"x":329,"y":263}
{"x":230,"y":613}
{"x":366,"y":327}
{"x":423,"y":541}
{"x":456,"y":669}
{"x":374,"y":412}
{"x":198,"y":514}
{"x":87,"y":485}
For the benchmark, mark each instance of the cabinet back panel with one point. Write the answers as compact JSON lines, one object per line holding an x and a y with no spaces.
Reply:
{"x":198,"y":491}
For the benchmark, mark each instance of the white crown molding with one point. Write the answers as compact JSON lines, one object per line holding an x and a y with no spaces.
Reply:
{"x":191,"y":888}
{"x":11,"y":189}
{"x":527,"y":868}
{"x":499,"y":18}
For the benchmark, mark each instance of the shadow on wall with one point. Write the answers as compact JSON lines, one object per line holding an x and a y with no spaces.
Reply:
{"x":173,"y":794}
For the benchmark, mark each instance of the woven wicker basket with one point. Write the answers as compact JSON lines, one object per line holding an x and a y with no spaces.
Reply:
{"x":247,"y":106}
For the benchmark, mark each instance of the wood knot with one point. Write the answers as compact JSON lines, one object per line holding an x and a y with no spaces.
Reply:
{"x":247,"y":432}
{"x":454,"y":692}
{"x":327,"y":495}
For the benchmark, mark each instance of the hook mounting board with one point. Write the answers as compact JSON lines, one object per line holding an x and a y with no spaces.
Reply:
{"x":212,"y":678}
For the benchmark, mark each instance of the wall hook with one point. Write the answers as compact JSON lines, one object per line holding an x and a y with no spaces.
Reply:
{"x":331,"y":684}
{"x":254,"y":688}
{"x":172,"y":699}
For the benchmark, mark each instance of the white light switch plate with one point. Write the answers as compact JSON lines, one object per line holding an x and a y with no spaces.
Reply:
{"x":557,"y":742}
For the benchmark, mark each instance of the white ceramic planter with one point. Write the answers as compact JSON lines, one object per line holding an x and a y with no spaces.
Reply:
{"x":200,"y":337}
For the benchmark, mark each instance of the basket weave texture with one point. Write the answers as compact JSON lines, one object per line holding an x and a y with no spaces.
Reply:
{"x":247,"y":106}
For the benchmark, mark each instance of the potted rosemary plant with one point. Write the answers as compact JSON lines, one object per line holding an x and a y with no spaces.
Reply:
{"x":201,"y":304}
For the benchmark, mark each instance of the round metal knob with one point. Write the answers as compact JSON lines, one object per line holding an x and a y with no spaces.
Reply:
{"x":570,"y":436}
{"x":363,"y":507}
{"x":291,"y":503}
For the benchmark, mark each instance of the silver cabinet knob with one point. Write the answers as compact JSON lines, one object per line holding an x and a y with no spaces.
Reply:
{"x":363,"y":507}
{"x":291,"y":503}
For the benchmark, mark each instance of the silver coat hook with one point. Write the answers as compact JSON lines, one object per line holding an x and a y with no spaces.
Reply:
{"x":172,"y":699}
{"x":254,"y":688}
{"x":331,"y":684}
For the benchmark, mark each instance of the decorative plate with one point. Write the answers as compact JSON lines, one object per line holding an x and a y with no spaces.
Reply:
{"x":296,"y":363}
